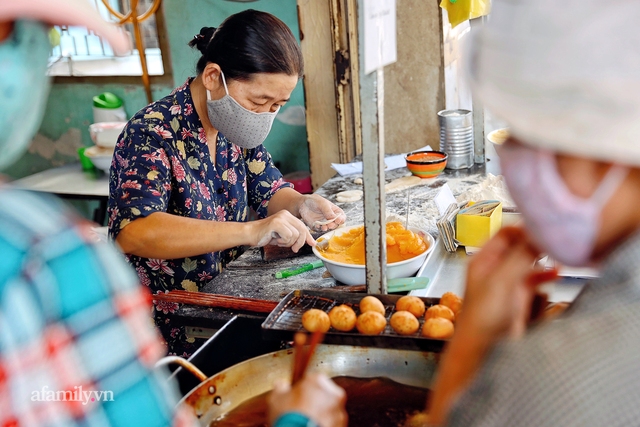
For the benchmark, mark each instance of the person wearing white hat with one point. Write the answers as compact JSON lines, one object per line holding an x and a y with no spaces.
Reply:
{"x":76,"y":347}
{"x":565,"y":76}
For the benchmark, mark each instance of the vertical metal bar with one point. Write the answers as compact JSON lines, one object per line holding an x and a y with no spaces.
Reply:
{"x":372,"y":109}
{"x":75,"y":45}
{"x":354,"y":52}
{"x":86,"y":43}
{"x":478,"y":109}
{"x":143,"y":59}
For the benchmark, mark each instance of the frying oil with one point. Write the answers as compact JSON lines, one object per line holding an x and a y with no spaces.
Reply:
{"x":374,"y":402}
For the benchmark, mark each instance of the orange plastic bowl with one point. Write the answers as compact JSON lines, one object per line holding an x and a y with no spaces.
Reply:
{"x":426,"y":164}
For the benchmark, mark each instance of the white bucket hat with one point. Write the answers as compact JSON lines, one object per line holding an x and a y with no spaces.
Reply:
{"x":65,"y":12}
{"x":565,"y":75}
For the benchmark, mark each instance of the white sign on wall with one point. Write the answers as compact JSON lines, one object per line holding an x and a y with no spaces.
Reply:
{"x":379,"y":34}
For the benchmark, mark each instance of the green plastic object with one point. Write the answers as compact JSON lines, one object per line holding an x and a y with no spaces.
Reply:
{"x":107,"y":100}
{"x":406,"y":284}
{"x":305,"y":267}
{"x":85,"y":162}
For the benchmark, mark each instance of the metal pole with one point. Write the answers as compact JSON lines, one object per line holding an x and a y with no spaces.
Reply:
{"x":478,"y":109}
{"x":134,"y":19}
{"x":372,"y":110}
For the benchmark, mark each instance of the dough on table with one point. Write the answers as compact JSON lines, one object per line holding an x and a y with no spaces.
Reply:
{"x":403,"y":183}
{"x":349,"y":196}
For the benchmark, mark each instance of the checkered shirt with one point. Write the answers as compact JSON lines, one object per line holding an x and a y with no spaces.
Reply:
{"x":581,"y":370}
{"x":77,"y":345}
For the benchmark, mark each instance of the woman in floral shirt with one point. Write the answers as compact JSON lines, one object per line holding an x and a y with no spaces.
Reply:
{"x":188,"y":168}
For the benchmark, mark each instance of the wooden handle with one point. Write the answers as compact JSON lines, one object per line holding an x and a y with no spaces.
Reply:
{"x":303,"y":356}
{"x":214,"y":300}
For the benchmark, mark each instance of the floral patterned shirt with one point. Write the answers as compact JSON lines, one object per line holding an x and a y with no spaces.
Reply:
{"x":162,"y":163}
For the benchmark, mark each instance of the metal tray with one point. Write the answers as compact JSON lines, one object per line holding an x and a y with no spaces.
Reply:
{"x":446,"y":272}
{"x":286,"y":319}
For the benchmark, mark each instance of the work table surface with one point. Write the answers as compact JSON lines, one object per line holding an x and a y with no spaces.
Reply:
{"x":251,"y":277}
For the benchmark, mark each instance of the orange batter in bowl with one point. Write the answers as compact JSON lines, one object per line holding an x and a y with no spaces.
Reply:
{"x":348,"y":247}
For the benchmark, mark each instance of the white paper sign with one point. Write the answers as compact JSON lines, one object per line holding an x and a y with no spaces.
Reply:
{"x":379,"y":33}
{"x":444,"y":199}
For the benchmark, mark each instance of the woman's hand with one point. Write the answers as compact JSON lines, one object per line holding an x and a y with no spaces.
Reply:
{"x":319,"y":213}
{"x":315,"y":396}
{"x":281,"y":229}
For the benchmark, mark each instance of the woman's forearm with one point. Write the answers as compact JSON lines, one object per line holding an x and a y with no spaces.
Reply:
{"x":165,"y":236}
{"x":285,"y":199}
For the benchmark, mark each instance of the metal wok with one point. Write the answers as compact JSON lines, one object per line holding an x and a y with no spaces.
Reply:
{"x":223,"y":392}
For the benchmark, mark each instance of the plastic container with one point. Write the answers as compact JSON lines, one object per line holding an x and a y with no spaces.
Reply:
{"x":301,"y":181}
{"x":100,"y":157}
{"x":105,"y":134}
{"x":107,"y":107}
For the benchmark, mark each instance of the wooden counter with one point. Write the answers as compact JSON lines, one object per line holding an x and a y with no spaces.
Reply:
{"x":250,"y":277}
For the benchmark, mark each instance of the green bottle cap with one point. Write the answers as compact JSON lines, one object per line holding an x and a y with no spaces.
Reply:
{"x":107,"y":100}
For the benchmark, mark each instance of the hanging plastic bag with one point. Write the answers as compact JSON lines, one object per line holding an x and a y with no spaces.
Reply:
{"x":463,"y":10}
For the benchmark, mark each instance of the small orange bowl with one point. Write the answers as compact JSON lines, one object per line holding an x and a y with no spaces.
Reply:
{"x":426,"y":164}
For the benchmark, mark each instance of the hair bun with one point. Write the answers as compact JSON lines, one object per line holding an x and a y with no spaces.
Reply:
{"x":201,"y":40}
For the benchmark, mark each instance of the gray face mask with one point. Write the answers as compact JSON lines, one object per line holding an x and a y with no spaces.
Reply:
{"x":242,"y":127}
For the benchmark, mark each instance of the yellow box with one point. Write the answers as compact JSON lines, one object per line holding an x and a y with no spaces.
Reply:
{"x":477,"y":223}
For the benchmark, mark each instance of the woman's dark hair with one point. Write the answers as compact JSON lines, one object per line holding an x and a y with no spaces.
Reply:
{"x":247,"y":43}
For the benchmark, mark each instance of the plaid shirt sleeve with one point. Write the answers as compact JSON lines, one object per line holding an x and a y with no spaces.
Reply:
{"x":77,"y":345}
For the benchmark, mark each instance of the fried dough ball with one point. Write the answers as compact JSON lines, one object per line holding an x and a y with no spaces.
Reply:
{"x":440,"y":310}
{"x":370,"y":303}
{"x":342,"y":318}
{"x":420,"y":419}
{"x":413,"y":305}
{"x":316,"y":320}
{"x":438,"y":328}
{"x":404,"y":323}
{"x":371,"y":323}
{"x":453,"y":301}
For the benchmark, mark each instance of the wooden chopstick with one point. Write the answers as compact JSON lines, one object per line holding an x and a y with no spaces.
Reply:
{"x":303,"y":356}
{"x":299,"y":340}
{"x":215,"y":300}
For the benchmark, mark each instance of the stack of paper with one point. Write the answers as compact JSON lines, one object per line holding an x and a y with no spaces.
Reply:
{"x":447,"y":228}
